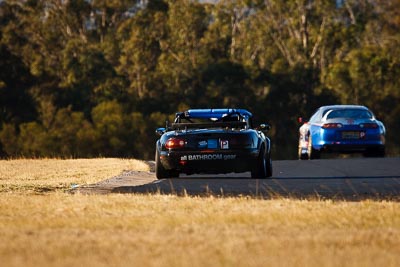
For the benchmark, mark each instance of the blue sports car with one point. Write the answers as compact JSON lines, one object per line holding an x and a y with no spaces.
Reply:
{"x":341,"y":129}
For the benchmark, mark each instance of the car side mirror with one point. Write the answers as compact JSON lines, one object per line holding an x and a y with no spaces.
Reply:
{"x":265,"y":127}
{"x":160,"y":131}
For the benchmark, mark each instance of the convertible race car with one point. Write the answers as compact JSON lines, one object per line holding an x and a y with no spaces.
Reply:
{"x":213,"y":141}
{"x":343,"y":129}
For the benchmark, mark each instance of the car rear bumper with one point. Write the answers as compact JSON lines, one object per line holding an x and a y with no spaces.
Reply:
{"x":209,"y":162}
{"x":351,"y":147}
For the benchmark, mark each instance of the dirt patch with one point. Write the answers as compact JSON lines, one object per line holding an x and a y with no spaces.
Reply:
{"x":128,"y":178}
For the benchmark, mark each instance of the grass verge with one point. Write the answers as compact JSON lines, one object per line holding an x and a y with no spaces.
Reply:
{"x":42,"y":175}
{"x":62,"y":229}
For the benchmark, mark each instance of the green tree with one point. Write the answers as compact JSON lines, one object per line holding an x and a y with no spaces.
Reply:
{"x":141,"y":37}
{"x":182,"y":55}
{"x":226,"y":85}
{"x":15,"y":101}
{"x":89,"y":78}
{"x":109,"y":121}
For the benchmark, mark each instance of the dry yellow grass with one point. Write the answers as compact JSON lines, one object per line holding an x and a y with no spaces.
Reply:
{"x":60,"y":229}
{"x":42,"y":174}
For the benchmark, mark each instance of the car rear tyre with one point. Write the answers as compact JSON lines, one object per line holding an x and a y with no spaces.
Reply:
{"x":301,"y":155}
{"x":263,"y":166}
{"x":161,"y":172}
{"x":269,"y":166}
{"x":312,"y":153}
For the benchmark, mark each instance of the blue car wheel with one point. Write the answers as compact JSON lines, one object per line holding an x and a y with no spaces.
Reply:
{"x":312,"y":153}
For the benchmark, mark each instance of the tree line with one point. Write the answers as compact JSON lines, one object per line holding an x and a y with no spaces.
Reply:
{"x":95,"y":78}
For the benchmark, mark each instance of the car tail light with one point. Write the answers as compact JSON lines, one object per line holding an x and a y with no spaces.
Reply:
{"x":332,"y":125}
{"x":240,"y":141}
{"x":369,"y":125}
{"x":175,"y":143}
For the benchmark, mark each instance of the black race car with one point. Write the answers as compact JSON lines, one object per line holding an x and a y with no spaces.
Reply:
{"x":213,"y":141}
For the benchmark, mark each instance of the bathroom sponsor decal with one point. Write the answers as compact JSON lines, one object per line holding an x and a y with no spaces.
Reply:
{"x":208,"y":157}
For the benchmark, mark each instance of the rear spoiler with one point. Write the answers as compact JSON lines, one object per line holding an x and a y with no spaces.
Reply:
{"x":230,"y":124}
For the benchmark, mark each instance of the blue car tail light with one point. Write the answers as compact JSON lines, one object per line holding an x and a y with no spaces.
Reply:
{"x":332,"y":125}
{"x":369,"y":125}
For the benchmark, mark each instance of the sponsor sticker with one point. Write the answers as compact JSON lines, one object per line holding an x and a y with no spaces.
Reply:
{"x":224,"y":144}
{"x":202,"y":144}
{"x":226,"y":157}
{"x":212,"y":143}
{"x":208,"y":157}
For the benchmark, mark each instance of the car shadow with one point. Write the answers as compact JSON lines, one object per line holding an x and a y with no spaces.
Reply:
{"x":338,"y":188}
{"x":342,"y":179}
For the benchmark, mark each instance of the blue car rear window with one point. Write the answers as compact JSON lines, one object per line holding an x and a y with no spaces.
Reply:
{"x":349,"y":113}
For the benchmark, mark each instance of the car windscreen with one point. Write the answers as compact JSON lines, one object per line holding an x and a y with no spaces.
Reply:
{"x":198,"y":120}
{"x":349,"y":113}
{"x":231,"y":121}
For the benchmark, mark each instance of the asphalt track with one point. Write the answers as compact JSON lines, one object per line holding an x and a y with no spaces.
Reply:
{"x":352,"y":178}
